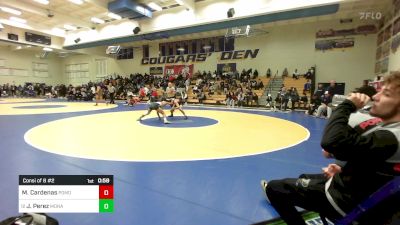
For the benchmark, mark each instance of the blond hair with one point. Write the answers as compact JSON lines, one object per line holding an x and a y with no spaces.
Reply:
{"x":394,"y":80}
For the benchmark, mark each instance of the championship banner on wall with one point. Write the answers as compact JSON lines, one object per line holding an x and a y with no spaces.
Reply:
{"x":360,"y":30}
{"x":226,"y":67}
{"x":323,"y":45}
{"x":185,"y":70}
{"x":156,"y":70}
{"x":395,"y":43}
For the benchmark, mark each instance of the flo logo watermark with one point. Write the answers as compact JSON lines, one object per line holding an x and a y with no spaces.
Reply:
{"x":370,"y":15}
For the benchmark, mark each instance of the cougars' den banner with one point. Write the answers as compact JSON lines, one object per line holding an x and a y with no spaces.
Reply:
{"x":185,"y":70}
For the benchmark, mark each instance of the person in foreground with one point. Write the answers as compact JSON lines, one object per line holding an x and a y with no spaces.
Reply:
{"x":372,"y":159}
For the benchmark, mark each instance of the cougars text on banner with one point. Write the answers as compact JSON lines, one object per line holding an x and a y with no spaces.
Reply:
{"x":185,"y":70}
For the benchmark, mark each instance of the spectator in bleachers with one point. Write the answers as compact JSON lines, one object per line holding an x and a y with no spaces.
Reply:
{"x":285,"y":73}
{"x":269,"y":101}
{"x":307,"y":85}
{"x":171,"y":78}
{"x":255,"y":74}
{"x":367,"y":89}
{"x":308,"y":74}
{"x":249,"y":96}
{"x":268,"y":74}
{"x":226,"y":88}
{"x":240,"y":99}
{"x":201,"y":96}
{"x":316,"y":100}
{"x":295,"y":75}
{"x":303,"y":101}
{"x":324,"y":108}
{"x":228,"y":99}
{"x":294,"y":97}
{"x":254,"y":99}
{"x":253,"y":84}
{"x":93,"y":90}
{"x":211,"y":89}
{"x":78,"y":94}
{"x":187,"y":84}
{"x":195,"y":90}
{"x":260,"y":84}
{"x":71,"y":93}
{"x":13,"y":90}
{"x":333,"y":89}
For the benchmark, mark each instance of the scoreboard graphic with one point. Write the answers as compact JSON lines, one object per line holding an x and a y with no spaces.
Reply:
{"x":66,"y":194}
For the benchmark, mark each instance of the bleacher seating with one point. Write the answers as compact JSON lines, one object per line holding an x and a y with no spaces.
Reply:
{"x":298,"y":84}
{"x":219,"y":97}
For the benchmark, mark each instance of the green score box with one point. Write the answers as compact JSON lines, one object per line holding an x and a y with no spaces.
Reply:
{"x":106,"y":205}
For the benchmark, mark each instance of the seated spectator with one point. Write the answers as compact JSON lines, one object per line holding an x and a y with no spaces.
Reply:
{"x":308,"y":75}
{"x":333,"y":88}
{"x":71,"y":94}
{"x":371,"y":156}
{"x":201,"y":96}
{"x":285,"y":73}
{"x":367,"y":89}
{"x":254,"y":99}
{"x":229,"y":99}
{"x":48,"y":95}
{"x":240,"y":99}
{"x":211,"y":90}
{"x":195,"y":89}
{"x":260,"y":84}
{"x":315,"y":100}
{"x":324,"y":108}
{"x":253,"y":84}
{"x":303,"y":101}
{"x":255,"y":74}
{"x":268,"y":74}
{"x":249,"y":97}
{"x":295,"y":75}
{"x":269,"y":101}
{"x":307,"y":86}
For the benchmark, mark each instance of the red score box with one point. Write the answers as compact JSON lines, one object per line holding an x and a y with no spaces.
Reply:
{"x":106,"y":192}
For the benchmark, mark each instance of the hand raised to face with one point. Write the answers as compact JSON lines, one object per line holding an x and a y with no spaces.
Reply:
{"x":358,"y":99}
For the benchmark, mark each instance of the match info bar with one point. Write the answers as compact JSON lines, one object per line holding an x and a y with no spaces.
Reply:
{"x":66,"y":193}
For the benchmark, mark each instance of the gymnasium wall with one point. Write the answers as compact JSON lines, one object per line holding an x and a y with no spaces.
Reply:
{"x":286,"y":45}
{"x":20,"y":66}
{"x":291,"y":46}
{"x":394,"y":61}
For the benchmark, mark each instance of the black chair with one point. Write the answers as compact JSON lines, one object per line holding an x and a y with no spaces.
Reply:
{"x":379,"y":207}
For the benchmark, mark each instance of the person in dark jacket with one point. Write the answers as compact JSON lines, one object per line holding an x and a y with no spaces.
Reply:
{"x":372,"y":159}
